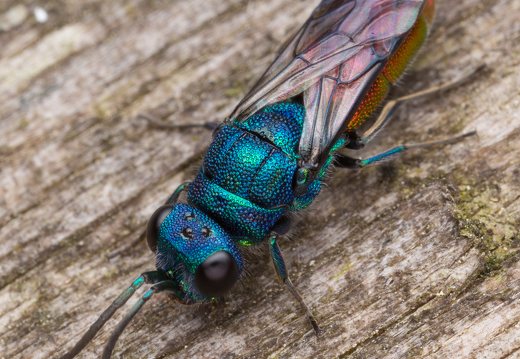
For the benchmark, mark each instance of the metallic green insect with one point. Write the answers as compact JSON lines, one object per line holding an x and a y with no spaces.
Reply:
{"x":269,"y":158}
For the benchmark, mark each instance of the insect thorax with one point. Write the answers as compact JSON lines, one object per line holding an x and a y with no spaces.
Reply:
{"x":246,"y":180}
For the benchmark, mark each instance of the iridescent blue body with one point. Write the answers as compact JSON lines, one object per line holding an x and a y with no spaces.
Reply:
{"x":272,"y":157}
{"x":246,"y":181}
{"x":243,"y":188}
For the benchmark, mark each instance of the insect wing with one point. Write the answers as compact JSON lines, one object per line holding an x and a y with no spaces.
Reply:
{"x":332,"y":60}
{"x":281,"y":79}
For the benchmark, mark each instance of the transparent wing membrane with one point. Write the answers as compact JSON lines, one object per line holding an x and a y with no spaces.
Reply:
{"x":332,"y":60}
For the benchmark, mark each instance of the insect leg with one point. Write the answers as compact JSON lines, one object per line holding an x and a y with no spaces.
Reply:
{"x":359,"y":141}
{"x":281,"y":271}
{"x":350,"y":162}
{"x":156,"y":123}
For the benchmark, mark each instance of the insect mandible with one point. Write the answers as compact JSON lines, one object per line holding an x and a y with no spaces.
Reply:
{"x":321,"y":94}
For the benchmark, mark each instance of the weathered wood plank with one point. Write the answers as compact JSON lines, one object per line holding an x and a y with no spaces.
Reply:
{"x":415,"y":258}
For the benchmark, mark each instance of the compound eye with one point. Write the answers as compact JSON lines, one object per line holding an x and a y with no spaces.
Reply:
{"x":154,"y":223}
{"x":217,"y":274}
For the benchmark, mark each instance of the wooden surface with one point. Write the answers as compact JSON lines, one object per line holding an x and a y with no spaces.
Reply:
{"x":414,"y":258}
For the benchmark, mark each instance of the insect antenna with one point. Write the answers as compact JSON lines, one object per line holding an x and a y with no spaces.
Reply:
{"x":147,"y":277}
{"x":156,"y":288}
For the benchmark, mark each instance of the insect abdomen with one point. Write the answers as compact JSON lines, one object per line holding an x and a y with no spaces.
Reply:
{"x":394,"y":68}
{"x":410,"y":46}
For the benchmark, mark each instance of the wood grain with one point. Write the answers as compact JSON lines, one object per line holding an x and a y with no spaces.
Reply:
{"x":418,"y":257}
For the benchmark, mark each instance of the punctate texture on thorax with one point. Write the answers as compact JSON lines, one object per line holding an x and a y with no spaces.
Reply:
{"x":246,"y":180}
